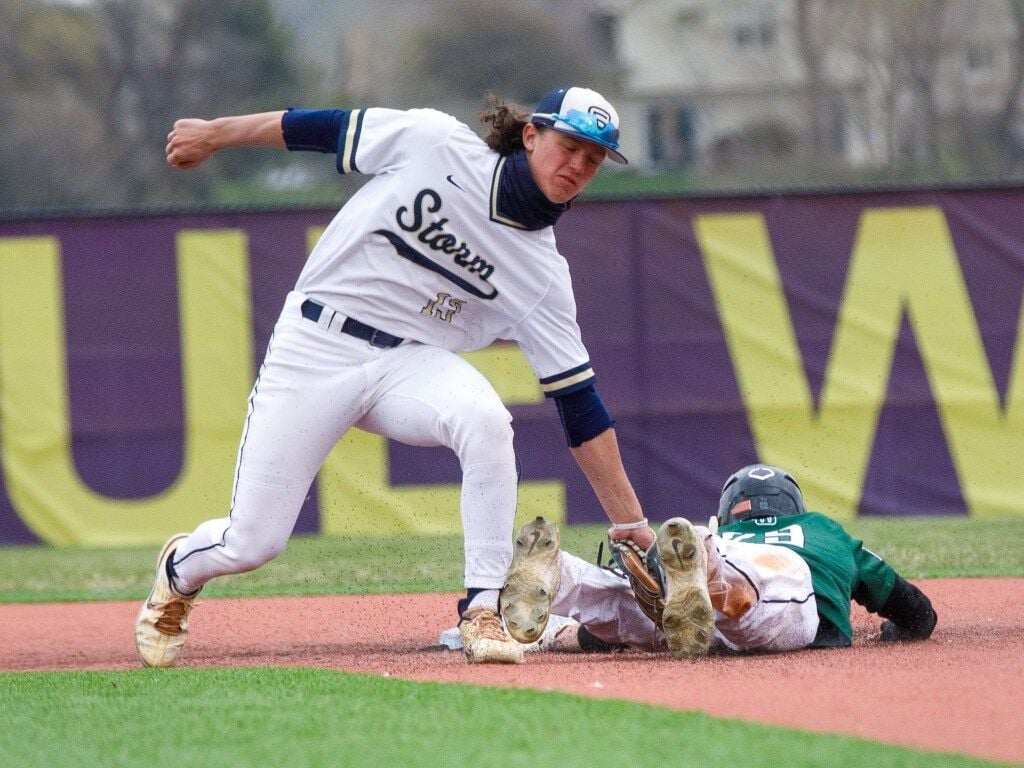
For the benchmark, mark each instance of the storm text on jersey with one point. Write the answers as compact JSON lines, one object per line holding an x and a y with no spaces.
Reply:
{"x":475,"y":271}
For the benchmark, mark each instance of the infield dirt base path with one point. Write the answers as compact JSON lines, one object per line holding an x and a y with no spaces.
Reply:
{"x":958,"y":692}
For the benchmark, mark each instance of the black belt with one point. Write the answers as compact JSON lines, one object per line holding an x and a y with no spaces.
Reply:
{"x":312,"y":311}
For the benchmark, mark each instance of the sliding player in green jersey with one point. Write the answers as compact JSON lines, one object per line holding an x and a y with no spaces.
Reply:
{"x":766,"y":574}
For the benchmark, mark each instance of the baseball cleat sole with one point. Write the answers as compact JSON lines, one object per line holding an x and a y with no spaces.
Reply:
{"x":533,"y":580}
{"x":689,"y":619}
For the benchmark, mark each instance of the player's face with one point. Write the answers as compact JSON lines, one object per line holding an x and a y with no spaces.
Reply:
{"x":561,"y":165}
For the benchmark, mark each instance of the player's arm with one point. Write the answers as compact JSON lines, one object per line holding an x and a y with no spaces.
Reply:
{"x":908,"y":612}
{"x":595,"y":447}
{"x":192,"y":141}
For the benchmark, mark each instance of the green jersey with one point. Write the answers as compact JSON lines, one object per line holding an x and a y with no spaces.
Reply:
{"x":841,"y":567}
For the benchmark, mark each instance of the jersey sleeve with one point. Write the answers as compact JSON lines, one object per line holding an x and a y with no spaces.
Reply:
{"x":875,"y":578}
{"x":550,"y":338}
{"x":379,"y":140}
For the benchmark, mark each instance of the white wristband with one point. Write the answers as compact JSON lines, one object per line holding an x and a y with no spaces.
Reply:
{"x":628,"y":526}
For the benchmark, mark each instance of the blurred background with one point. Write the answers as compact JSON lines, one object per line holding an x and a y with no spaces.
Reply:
{"x":713,"y":94}
{"x":813,"y":258}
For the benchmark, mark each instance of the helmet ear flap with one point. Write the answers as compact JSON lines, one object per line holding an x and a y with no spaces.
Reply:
{"x":725,"y":500}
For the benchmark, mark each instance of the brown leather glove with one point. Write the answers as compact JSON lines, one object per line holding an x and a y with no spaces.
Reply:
{"x":643,"y":569}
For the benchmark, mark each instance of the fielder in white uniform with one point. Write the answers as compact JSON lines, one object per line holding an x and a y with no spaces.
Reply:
{"x":447,"y":248}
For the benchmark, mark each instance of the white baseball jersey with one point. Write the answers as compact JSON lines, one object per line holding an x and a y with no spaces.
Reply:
{"x":422,"y":251}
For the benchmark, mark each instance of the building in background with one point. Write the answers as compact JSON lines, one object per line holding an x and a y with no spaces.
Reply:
{"x":719,"y":85}
{"x":716,"y":93}
{"x":859,"y":82}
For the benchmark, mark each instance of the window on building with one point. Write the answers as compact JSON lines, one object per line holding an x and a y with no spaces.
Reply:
{"x":671,"y":135}
{"x":690,"y":17}
{"x":838,"y":128}
{"x":605,"y":33}
{"x":979,"y":60}
{"x":755,"y":30}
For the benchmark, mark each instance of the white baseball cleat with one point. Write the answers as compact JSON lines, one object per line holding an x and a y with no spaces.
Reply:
{"x":485,"y":641}
{"x":558,"y":636}
{"x":162,"y":625}
{"x":532,"y":581}
{"x":689,"y":618}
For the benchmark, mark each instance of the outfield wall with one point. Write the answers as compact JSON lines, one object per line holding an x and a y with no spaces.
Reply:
{"x":867,"y":341}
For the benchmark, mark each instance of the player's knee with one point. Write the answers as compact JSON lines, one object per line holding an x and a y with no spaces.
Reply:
{"x":483,"y":427}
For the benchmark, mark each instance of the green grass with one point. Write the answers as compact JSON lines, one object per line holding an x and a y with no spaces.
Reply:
{"x":304,"y":717}
{"x":295,"y":717}
{"x":917,"y":548}
{"x":946,"y":547}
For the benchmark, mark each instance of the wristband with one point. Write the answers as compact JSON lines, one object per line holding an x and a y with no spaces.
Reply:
{"x":628,"y":526}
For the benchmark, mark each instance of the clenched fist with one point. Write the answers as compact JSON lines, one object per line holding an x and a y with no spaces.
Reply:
{"x":190,"y":143}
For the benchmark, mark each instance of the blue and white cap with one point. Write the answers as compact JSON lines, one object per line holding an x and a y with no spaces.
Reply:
{"x":583,"y":114}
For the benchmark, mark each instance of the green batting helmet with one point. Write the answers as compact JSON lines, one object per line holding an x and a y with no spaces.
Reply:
{"x":759,"y":490}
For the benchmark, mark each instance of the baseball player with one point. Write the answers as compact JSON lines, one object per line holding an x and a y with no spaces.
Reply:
{"x":447,"y":248}
{"x":765,"y":575}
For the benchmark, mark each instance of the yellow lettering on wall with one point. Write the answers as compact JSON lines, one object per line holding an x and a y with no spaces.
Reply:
{"x":903,"y":261}
{"x":356,"y":497}
{"x":35,"y":435}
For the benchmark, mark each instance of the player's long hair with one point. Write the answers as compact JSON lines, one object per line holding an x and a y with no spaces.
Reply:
{"x":507,"y":120}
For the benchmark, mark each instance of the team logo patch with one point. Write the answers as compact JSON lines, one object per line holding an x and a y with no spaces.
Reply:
{"x":603,"y":118}
{"x":444,"y":307}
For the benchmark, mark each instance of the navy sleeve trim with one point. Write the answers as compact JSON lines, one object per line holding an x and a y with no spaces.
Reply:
{"x":583,"y":415}
{"x":313,"y":130}
{"x":567,"y":382}
{"x":348,"y":142}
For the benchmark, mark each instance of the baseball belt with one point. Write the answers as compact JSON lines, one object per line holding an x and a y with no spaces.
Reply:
{"x":375,"y":338}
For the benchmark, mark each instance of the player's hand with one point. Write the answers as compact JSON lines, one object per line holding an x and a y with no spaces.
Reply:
{"x":891,"y":632}
{"x":190,"y":143}
{"x":644,"y":537}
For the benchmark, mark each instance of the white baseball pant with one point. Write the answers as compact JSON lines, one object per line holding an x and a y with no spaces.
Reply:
{"x":315,"y":384}
{"x":784,"y":618}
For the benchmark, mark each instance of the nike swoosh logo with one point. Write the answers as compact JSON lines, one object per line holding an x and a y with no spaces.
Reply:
{"x":535,"y":535}
{"x":451,"y":181}
{"x":676,"y":544}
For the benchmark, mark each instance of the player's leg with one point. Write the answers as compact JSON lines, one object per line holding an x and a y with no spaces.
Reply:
{"x":603,"y":602}
{"x":431,"y":397}
{"x":303,"y":401}
{"x":763,"y":595}
{"x":309,"y":392}
{"x":688,"y":619}
{"x":545,"y":581}
{"x":533,"y":580}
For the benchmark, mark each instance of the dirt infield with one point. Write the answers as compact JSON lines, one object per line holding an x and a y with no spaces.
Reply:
{"x":958,"y":692}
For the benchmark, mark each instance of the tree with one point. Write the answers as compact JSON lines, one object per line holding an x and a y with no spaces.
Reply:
{"x":165,"y":60}
{"x":1008,"y":141}
{"x":91,"y":93}
{"x":474,"y":46}
{"x":904,"y":67}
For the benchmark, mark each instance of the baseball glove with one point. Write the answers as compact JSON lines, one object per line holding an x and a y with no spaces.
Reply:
{"x":645,"y":574}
